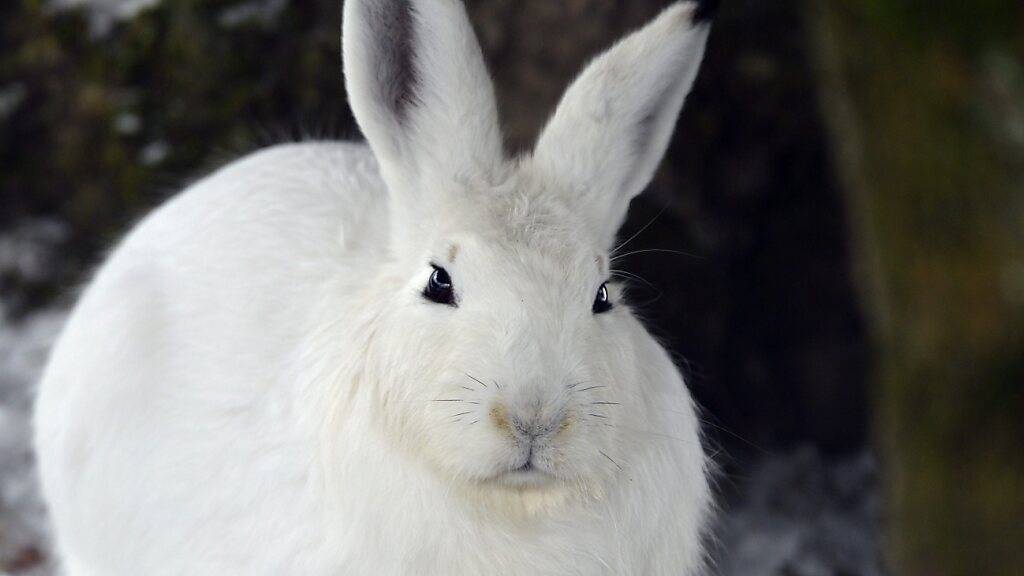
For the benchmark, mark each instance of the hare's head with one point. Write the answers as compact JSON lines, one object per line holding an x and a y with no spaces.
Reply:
{"x":501,"y":351}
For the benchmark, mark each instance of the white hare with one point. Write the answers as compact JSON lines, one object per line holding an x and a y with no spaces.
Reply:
{"x":329,"y":358}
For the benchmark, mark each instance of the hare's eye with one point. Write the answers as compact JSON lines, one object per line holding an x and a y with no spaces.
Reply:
{"x":439,"y":287}
{"x":601,"y":301}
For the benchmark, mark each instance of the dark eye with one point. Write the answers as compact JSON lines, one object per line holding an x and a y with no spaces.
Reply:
{"x":439,"y":287}
{"x":601,"y":301}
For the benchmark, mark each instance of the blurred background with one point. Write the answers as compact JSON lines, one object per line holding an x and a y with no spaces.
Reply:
{"x":838,"y":226}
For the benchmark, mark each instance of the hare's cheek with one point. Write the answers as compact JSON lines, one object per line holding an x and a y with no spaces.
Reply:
{"x":582,"y":450}
{"x":457,"y":439}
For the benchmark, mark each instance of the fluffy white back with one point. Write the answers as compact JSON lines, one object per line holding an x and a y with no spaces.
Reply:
{"x":260,"y":380}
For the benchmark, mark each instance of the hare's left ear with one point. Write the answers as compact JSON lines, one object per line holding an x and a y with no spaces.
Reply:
{"x":612,"y":127}
{"x":419,"y":89}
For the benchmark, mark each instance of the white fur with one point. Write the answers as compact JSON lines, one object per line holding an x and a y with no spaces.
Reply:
{"x":254,"y":383}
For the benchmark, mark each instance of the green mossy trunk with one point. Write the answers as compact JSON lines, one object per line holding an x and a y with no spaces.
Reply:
{"x":926,"y":102}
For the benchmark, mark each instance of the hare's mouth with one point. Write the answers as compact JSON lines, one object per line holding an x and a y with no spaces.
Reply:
{"x":529,"y":475}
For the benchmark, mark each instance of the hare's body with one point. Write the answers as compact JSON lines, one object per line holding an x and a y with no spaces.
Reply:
{"x":196,"y":448}
{"x":263,"y":380}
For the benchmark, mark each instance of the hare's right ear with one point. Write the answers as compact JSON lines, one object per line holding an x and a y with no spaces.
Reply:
{"x":613,"y":125}
{"x":420,"y":91}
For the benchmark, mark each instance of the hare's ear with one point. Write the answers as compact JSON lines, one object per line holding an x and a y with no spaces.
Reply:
{"x":420,"y":91}
{"x":612,"y":127}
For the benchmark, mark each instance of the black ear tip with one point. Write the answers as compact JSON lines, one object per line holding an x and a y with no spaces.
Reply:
{"x":706,"y":10}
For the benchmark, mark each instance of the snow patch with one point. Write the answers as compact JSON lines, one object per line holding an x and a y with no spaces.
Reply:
{"x":11,"y":97}
{"x":23,"y":351}
{"x":264,"y":12}
{"x":154,"y":152}
{"x":104,"y":14}
{"x":800,"y":515}
{"x":28,"y":250}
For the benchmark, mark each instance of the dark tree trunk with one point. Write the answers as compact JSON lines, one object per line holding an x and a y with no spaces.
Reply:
{"x":928,"y":108}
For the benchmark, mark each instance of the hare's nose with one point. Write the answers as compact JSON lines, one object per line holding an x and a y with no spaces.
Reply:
{"x":526,"y":429}
{"x":528,"y":426}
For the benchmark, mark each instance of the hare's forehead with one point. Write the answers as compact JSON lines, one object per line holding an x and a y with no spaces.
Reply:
{"x":521,"y":229}
{"x":527,"y":218}
{"x":530,"y":251}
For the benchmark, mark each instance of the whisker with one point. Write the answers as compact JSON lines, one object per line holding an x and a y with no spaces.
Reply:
{"x":477,"y":380}
{"x":596,"y":415}
{"x":704,"y":420}
{"x":630,"y":275}
{"x":610,"y":460}
{"x":646,"y":250}
{"x":605,"y":403}
{"x":641,"y":230}
{"x":649,"y":433}
{"x":461,"y":414}
{"x":628,"y":430}
{"x":626,"y":274}
{"x":734,"y":435}
{"x":592,"y":388}
{"x":449,"y":400}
